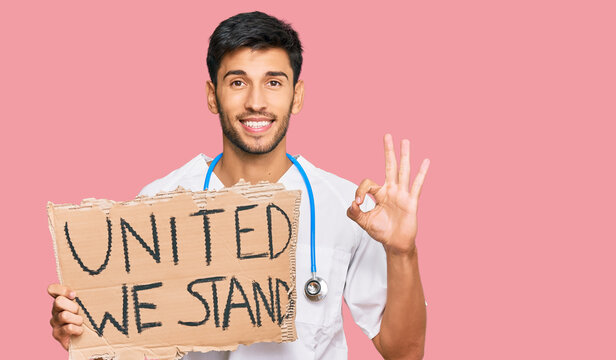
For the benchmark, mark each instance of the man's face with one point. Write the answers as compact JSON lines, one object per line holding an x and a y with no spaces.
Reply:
{"x":255,"y":98}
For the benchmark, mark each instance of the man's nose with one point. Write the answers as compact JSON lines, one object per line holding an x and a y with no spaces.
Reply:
{"x":256,"y":100}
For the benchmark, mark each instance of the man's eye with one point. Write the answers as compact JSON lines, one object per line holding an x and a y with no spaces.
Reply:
{"x":274,"y":83}
{"x":237,"y":83}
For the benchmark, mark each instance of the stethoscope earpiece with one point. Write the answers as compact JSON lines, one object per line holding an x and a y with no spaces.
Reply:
{"x":315,"y":288}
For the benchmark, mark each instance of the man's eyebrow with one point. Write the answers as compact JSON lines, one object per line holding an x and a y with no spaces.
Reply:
{"x":276,"y":73}
{"x":234,"y":72}
{"x":269,"y":73}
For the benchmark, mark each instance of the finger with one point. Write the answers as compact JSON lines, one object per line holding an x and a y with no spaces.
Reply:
{"x":62,"y":303}
{"x":390,"y":160}
{"x":419,"y":179}
{"x":404,"y":173}
{"x":62,"y":339}
{"x":66,"y":317}
{"x":56,"y":290}
{"x":367,"y":186}
{"x":63,"y":333}
{"x":70,"y":330}
{"x":356,"y":214}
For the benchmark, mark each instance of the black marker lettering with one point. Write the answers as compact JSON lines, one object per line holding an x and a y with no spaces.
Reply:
{"x":142,"y":305}
{"x":206,"y":231}
{"x":107,"y":316}
{"x":239,"y":231}
{"x":286,"y":286}
{"x":155,"y":254}
{"x":78,"y":259}
{"x":203,"y":301}
{"x":269,"y":230}
{"x":174,"y":240}
{"x":234,"y":283}
{"x":269,"y":306}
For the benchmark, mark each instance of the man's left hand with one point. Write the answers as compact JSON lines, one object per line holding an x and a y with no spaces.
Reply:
{"x":393,"y":221}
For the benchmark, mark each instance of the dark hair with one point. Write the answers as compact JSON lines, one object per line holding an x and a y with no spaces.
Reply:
{"x":255,"y":30}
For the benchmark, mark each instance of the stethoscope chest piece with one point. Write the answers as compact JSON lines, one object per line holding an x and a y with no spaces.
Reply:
{"x":315,"y":288}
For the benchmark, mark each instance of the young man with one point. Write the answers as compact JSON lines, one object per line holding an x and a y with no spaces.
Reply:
{"x":367,"y":257}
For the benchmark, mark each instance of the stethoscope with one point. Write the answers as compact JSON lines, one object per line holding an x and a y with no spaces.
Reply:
{"x":315,"y":288}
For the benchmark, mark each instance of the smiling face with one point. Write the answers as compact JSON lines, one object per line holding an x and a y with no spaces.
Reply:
{"x":255,"y":98}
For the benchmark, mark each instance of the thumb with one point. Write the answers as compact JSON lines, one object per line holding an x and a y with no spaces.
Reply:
{"x":356,"y":214}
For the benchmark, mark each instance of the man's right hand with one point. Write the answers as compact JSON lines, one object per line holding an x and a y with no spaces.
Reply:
{"x":64,"y":319}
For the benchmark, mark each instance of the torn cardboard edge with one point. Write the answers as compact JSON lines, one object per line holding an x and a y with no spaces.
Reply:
{"x":262,"y":191}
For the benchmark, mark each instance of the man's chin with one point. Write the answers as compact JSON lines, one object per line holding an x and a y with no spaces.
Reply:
{"x":254,"y":148}
{"x":258,"y":150}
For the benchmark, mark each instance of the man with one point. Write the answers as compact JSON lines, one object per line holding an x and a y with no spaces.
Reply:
{"x":367,"y":257}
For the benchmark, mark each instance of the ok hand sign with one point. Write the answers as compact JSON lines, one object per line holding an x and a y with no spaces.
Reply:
{"x":393,"y":221}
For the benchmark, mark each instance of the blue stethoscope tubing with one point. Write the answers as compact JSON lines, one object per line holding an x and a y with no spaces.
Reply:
{"x":316,"y":287}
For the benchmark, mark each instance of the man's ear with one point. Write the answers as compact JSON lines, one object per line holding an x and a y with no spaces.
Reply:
{"x":211,"y":97}
{"x":298,"y":97}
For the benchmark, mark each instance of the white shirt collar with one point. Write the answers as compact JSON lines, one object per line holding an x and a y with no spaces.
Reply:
{"x":291,"y":175}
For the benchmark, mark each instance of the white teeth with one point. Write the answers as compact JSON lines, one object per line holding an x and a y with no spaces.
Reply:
{"x":256,"y":124}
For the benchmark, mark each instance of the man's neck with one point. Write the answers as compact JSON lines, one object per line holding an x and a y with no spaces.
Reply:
{"x":236,"y":164}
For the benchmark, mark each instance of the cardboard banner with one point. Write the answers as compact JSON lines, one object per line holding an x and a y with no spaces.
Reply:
{"x":182,"y":271}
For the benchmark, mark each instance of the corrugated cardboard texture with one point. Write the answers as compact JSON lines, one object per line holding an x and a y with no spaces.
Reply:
{"x":181,"y":271}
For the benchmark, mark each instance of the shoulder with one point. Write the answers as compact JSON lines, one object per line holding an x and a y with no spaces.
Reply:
{"x":341,"y":189}
{"x":190,"y":176}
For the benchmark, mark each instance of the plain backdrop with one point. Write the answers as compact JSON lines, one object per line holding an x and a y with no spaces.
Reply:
{"x":513,"y":102}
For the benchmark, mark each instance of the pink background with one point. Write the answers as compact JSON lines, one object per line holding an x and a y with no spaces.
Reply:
{"x":514,"y":103}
